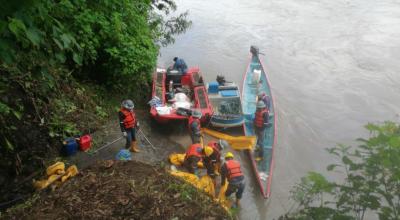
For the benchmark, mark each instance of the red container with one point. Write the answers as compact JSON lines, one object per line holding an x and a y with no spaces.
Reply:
{"x":85,"y":142}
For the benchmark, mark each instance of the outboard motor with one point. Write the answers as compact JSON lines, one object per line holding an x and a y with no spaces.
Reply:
{"x":254,"y":50}
{"x":221,"y":80}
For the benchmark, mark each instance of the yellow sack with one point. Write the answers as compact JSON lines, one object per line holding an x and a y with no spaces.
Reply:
{"x":226,"y":203}
{"x":71,"y":171}
{"x":205,"y":183}
{"x":237,"y":143}
{"x":177,"y":160}
{"x":57,"y":168}
{"x":45,"y":183}
{"x":188,"y":177}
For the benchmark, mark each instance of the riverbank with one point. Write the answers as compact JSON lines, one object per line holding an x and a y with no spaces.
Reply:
{"x":166,"y":139}
{"x":115,"y":190}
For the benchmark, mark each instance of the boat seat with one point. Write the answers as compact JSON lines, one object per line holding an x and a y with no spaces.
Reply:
{"x":228,"y":93}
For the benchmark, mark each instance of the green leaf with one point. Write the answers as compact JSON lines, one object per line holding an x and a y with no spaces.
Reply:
{"x":66,"y":40}
{"x":77,"y":58}
{"x":17,"y":114}
{"x":17,"y":27}
{"x":331,"y":167}
{"x":61,"y":57}
{"x":58,"y":43}
{"x":4,"y":109}
{"x":9,"y":145}
{"x":34,"y":36}
{"x":346,"y":160}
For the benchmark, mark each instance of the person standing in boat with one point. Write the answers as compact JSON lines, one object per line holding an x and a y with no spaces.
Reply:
{"x":232,"y":171}
{"x":195,"y":126}
{"x":261,"y":121}
{"x":180,"y":65}
{"x":128,"y":124}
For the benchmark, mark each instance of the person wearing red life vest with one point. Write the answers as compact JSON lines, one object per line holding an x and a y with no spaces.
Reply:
{"x":232,"y":171}
{"x":194,"y":126}
{"x":212,"y":156}
{"x":192,"y":156}
{"x":260,"y":123}
{"x":128,"y":124}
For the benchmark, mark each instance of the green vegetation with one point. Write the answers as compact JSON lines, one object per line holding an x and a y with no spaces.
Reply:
{"x":371,"y":181}
{"x":66,"y":64}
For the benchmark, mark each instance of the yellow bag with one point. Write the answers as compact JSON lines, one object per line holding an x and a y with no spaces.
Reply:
{"x":57,"y":168}
{"x":178,"y":159}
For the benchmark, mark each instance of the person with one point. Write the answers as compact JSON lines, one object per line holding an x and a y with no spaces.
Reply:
{"x":195,"y":126}
{"x":232,"y":171}
{"x":192,"y":156}
{"x":212,"y":158}
{"x":265,"y":98}
{"x":260,"y":123}
{"x":180,"y":65}
{"x":128,"y":124}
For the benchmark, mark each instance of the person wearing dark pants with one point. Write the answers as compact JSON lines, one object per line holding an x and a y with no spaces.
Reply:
{"x":194,"y":126}
{"x":128,"y":124}
{"x":261,"y":121}
{"x":231,"y":170}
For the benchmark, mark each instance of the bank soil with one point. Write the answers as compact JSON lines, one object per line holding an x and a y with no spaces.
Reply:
{"x":121,"y":190}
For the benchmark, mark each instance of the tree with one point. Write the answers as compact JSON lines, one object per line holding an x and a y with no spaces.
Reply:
{"x":371,"y":180}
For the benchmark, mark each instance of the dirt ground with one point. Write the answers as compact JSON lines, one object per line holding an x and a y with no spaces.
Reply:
{"x":122,"y":190}
{"x":132,"y":190}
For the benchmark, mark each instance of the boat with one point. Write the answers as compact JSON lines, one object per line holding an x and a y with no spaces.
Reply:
{"x":174,"y":95}
{"x":255,"y":80}
{"x":226,"y":102}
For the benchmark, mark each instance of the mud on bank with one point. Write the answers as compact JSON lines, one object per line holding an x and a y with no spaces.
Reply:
{"x":121,"y":190}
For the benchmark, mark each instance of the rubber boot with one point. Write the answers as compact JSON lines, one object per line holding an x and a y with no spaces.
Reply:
{"x":134,"y":147}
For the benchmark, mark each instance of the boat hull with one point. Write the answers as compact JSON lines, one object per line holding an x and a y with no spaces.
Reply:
{"x":190,"y":80}
{"x":263,"y":169}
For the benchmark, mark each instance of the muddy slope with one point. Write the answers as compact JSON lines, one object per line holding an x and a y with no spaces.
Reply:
{"x":122,"y":190}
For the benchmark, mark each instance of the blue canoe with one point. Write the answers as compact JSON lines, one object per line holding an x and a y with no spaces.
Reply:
{"x":255,"y":81}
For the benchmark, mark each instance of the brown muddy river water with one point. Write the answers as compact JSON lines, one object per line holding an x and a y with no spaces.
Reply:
{"x":334,"y":66}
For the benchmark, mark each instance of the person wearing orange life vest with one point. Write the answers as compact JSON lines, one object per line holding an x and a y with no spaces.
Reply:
{"x":128,"y":124}
{"x":261,"y":121}
{"x":232,"y":171}
{"x":212,"y":156}
{"x":192,"y":156}
{"x":194,"y":126}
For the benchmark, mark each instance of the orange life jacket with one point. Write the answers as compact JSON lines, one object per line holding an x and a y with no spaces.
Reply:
{"x":233,"y":168}
{"x":191,"y":120}
{"x":259,"y":119}
{"x":130,"y":118}
{"x":194,"y":150}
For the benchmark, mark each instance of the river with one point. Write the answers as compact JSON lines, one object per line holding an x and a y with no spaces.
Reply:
{"x":333,"y":65}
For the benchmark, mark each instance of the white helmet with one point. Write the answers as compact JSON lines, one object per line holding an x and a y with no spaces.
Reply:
{"x":128,"y":104}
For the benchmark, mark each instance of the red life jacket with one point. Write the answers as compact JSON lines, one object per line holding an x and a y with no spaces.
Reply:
{"x":194,"y":150}
{"x":259,"y":119}
{"x":191,"y":120}
{"x":130,"y":118}
{"x":233,"y":168}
